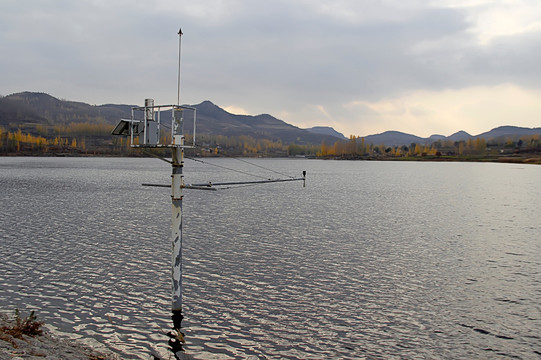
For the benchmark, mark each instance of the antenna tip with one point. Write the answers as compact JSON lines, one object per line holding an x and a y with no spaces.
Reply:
{"x":180,"y":31}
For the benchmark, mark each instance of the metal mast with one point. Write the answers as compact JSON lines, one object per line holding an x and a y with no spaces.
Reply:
{"x":177,"y":182}
{"x":144,"y":129}
{"x":179,"y":52}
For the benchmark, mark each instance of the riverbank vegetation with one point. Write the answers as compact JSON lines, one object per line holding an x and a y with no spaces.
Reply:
{"x":91,"y":139}
{"x":25,"y":337}
{"x":28,"y":326}
{"x":506,"y":149}
{"x":85,"y":139}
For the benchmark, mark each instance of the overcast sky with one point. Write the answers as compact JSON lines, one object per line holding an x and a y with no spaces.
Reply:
{"x":362,"y":67}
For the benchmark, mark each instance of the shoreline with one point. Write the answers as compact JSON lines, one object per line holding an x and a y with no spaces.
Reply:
{"x":44,"y":345}
{"x":528,"y":158}
{"x":47,"y":342}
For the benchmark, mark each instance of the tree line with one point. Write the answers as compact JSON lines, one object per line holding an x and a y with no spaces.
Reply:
{"x":96,"y":139}
{"x":356,"y":147}
{"x":90,"y":138}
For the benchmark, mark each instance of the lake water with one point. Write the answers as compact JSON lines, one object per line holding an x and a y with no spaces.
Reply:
{"x":376,"y":260}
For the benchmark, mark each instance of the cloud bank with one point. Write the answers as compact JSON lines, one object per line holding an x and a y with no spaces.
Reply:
{"x":362,"y":67}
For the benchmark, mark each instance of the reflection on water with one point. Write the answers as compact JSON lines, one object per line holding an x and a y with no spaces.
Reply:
{"x":370,"y":260}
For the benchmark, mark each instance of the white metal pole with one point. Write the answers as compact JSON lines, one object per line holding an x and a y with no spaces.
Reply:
{"x":177,"y":181}
{"x":176,"y":228}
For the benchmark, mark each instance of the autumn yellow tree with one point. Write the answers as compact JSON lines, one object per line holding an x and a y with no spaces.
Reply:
{"x":351,"y":148}
{"x":480,"y":145}
{"x":362,"y":149}
{"x":324,"y":149}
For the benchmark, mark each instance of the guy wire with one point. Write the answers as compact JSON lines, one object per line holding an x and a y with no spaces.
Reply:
{"x":226,"y":168}
{"x":262,"y":167}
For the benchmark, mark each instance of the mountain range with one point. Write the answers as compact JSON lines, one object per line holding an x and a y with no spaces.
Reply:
{"x":27,"y":109}
{"x":213,"y":120}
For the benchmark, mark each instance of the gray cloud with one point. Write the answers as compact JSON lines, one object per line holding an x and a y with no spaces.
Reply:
{"x":275,"y":57}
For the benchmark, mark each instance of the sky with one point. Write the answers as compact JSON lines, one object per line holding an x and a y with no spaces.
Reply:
{"x":422,"y":67}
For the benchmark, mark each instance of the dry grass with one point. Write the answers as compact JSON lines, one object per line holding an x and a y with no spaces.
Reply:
{"x":17,"y":331}
{"x":28,"y":326}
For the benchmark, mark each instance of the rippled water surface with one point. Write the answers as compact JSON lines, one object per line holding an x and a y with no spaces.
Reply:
{"x":370,"y":260}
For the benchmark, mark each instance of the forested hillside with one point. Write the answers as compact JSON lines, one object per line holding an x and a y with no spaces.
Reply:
{"x":40,"y":124}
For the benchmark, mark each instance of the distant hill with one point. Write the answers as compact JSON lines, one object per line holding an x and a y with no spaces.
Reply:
{"x":508,"y":132}
{"x":26,"y":110}
{"x":393,"y":138}
{"x":436,"y":137}
{"x":327,"y":130}
{"x":459,"y":136}
{"x":40,"y":108}
{"x":213,"y":120}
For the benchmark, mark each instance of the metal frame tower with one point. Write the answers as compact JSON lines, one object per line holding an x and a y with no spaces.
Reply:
{"x":145,"y":129}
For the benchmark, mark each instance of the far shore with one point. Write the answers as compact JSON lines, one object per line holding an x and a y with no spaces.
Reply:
{"x":519,"y":159}
{"x":526,"y":158}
